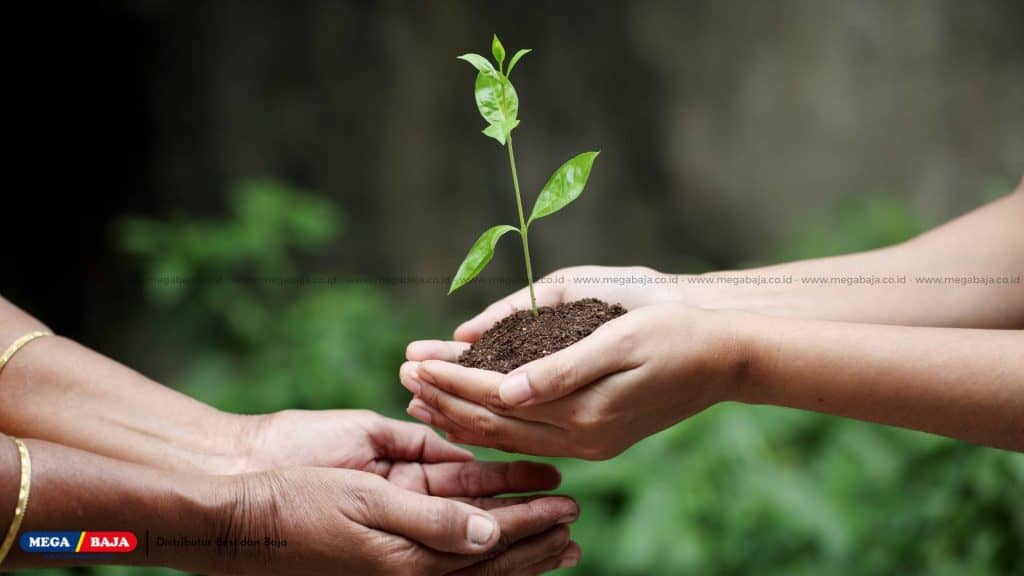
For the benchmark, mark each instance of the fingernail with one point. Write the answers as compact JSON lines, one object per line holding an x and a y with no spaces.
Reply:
{"x":479,"y":530}
{"x":418,"y":411}
{"x":515,"y":389}
{"x":568,"y":519}
{"x":568,"y":562}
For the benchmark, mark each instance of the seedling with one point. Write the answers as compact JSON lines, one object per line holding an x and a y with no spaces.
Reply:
{"x":498,"y":103}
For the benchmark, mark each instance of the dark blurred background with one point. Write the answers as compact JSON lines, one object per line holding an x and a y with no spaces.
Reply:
{"x":167,"y":149}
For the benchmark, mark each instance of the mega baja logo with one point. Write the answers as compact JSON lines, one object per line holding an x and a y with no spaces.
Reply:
{"x":78,"y":542}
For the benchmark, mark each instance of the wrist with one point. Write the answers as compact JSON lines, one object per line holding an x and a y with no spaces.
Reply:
{"x":227,"y":444}
{"x":737,"y":352}
{"x":198,"y":510}
{"x":746,"y":290}
{"x":225,"y":516}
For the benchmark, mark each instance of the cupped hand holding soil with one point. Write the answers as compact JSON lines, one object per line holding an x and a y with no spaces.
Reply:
{"x":523,"y":337}
{"x":632,"y":376}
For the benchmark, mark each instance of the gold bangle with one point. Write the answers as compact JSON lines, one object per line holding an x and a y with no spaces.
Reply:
{"x":13,"y":348}
{"x":19,"y":509}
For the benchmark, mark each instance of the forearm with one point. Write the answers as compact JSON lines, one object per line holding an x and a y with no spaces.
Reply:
{"x":73,"y":491}
{"x":910,"y":283}
{"x":966,"y":384}
{"x":55,"y":389}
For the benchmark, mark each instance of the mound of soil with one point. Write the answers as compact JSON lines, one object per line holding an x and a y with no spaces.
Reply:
{"x":523,"y":337}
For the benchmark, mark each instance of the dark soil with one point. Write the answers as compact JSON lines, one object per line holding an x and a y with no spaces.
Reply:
{"x":522,"y":337}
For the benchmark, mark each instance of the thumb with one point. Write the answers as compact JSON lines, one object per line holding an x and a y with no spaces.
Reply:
{"x":407,"y":442}
{"x":562,"y":373}
{"x":439,"y":523}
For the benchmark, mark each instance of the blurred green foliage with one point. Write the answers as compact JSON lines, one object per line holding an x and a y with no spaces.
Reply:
{"x":734,"y":490}
{"x":260,"y":336}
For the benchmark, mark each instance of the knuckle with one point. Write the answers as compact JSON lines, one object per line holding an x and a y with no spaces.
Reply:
{"x":492,"y":401}
{"x":629,"y":340}
{"x":484,"y":425}
{"x":470,"y":480}
{"x":562,"y":375}
{"x":557,"y":541}
{"x":585,"y":419}
{"x":591,"y":413}
{"x":430,"y":395}
{"x":402,"y":557}
{"x":448,"y":518}
{"x":360,"y":500}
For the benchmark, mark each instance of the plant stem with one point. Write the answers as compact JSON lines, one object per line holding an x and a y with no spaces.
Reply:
{"x":522,"y":222}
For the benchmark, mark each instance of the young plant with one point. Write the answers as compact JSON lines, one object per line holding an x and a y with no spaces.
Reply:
{"x":498,"y":103}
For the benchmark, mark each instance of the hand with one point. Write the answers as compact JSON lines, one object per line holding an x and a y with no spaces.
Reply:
{"x":614,"y":285}
{"x":356,"y":439}
{"x":409,"y":455}
{"x":339,"y":521}
{"x":632,"y":377}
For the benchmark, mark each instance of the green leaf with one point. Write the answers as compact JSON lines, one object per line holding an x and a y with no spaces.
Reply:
{"x":483,"y":65}
{"x":564,"y":186}
{"x":479,"y":255}
{"x":515,"y":58}
{"x":500,"y":132}
{"x":497,"y":132}
{"x":498,"y":103}
{"x":498,"y":51}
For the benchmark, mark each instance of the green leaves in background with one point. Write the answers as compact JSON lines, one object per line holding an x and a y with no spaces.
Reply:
{"x":564,"y":186}
{"x":479,"y":255}
{"x":268,"y":219}
{"x":496,"y":98}
{"x":252,"y":332}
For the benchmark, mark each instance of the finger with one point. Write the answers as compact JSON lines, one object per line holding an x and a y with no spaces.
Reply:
{"x":481,"y":387}
{"x":405,"y":441}
{"x":505,"y":433}
{"x":408,"y":375}
{"x":473,"y":384}
{"x":545,"y":548}
{"x":421,"y":411}
{"x":569,"y":369}
{"x":435,"y":350}
{"x":519,"y":519}
{"x":489,"y":478}
{"x":439,"y":523}
{"x":472,"y":329}
{"x":492,"y":502}
{"x":534,"y":516}
{"x":568,"y":558}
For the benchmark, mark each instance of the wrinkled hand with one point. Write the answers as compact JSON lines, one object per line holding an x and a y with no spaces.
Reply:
{"x":338,"y":521}
{"x":614,"y":285}
{"x":634,"y":376}
{"x":355,"y":439}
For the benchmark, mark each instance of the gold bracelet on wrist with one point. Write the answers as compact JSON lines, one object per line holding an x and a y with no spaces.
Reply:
{"x":19,"y":343}
{"x":23,"y":493}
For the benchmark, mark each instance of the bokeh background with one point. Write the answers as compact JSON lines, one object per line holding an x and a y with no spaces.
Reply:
{"x":222,"y":142}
